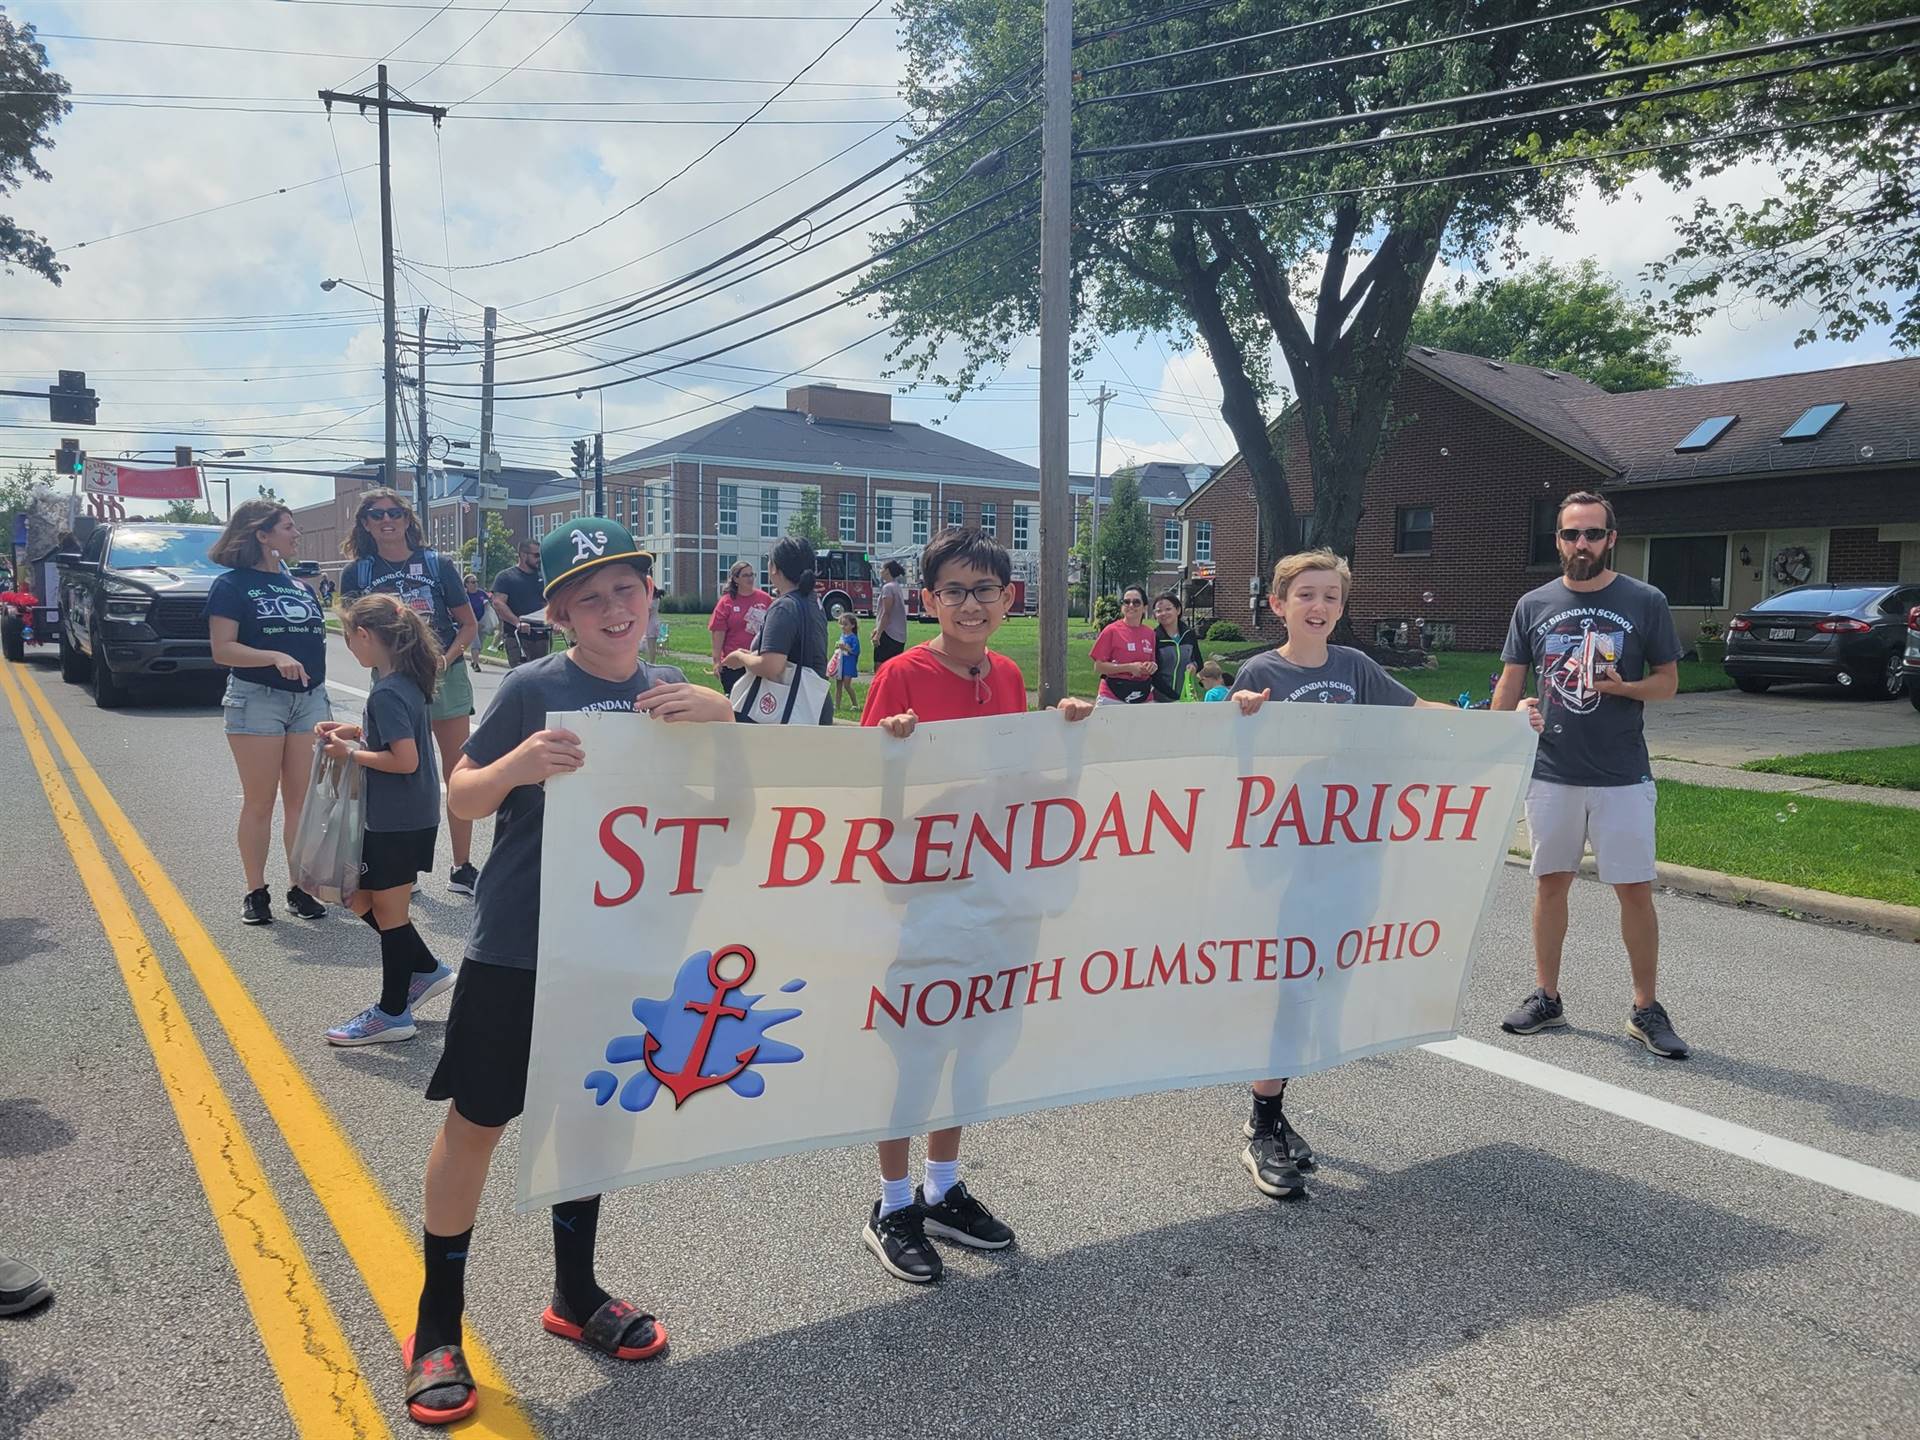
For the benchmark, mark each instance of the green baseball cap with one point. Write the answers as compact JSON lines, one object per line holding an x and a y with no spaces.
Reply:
{"x":581,"y":544}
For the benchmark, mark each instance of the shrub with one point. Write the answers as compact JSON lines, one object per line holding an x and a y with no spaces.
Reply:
{"x":681,"y":603}
{"x":1224,"y":630}
{"x":1106,"y":610}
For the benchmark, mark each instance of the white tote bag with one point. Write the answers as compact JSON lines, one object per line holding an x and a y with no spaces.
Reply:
{"x":797,"y":698}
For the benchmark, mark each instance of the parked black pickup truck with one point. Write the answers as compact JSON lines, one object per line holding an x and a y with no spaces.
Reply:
{"x":133,"y":600}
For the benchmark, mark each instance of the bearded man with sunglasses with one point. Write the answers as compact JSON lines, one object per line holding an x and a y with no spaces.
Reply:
{"x":1601,"y":646}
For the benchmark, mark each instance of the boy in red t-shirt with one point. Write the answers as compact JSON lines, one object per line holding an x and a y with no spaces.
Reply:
{"x":951,"y":677}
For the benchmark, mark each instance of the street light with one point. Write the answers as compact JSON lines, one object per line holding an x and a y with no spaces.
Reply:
{"x":329,"y":284}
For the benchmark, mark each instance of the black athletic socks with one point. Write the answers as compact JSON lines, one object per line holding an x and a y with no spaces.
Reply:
{"x":444,"y":1296}
{"x":576,"y":1224}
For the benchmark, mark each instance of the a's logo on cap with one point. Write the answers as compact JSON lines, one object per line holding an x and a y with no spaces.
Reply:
{"x":589,"y":543}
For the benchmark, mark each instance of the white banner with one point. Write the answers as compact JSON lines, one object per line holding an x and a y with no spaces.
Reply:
{"x":755,"y":940}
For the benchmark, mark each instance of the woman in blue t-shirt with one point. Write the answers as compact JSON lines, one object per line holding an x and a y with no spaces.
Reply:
{"x":267,"y":628}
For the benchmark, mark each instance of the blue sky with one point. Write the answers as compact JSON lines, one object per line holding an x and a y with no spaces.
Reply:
{"x":148,"y":314}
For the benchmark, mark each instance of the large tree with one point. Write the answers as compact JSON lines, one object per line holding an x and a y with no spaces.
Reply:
{"x":1125,"y":549}
{"x":33,"y":107}
{"x":1571,"y":318}
{"x":1321,"y":255}
{"x":1836,"y":226}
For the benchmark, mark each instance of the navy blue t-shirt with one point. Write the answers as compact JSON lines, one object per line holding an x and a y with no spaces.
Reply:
{"x":425,"y":582}
{"x":274,"y":612}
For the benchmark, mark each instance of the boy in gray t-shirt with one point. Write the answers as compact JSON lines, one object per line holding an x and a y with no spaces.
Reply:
{"x":1601,"y":646}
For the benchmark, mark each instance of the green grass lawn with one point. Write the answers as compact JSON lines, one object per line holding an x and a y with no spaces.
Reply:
{"x":1872,"y":851}
{"x":1896,"y":767}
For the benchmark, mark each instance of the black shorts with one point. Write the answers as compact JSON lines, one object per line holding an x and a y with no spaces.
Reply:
{"x":392,"y":858}
{"x":885,"y":647}
{"x":483,"y":1062}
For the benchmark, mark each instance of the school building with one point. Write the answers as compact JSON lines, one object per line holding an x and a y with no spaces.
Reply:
{"x":1725,"y":493}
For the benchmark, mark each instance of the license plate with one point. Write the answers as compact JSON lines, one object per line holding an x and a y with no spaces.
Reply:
{"x":1781,"y":633}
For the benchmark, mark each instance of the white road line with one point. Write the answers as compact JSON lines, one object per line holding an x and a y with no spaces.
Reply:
{"x":346,"y":689}
{"x":1834,"y":1171}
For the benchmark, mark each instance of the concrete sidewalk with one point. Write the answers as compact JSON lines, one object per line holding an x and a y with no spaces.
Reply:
{"x":1689,"y":773}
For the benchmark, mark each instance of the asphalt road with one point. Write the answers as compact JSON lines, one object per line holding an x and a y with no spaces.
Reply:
{"x":1480,"y":1256}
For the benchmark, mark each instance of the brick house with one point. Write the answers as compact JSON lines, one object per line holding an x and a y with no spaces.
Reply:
{"x":727,"y":491}
{"x":534,"y":499}
{"x":1725,"y":493}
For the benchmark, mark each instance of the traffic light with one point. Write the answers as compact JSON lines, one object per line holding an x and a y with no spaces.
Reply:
{"x":579,"y":459}
{"x":71,"y":460}
{"x":70,"y":402}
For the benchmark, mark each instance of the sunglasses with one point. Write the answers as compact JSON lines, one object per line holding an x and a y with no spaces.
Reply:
{"x":1593,"y":534}
{"x":1133,"y":602}
{"x":383,"y":512}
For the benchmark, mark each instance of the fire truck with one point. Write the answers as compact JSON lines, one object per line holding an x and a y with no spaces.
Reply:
{"x":847,"y":579}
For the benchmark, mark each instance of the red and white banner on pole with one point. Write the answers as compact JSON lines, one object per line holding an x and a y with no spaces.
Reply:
{"x":140,"y":482}
{"x":758,"y":940}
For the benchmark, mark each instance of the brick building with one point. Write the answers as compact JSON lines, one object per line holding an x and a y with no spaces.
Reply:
{"x":1725,"y":493}
{"x":536,"y":499}
{"x":728,"y":490}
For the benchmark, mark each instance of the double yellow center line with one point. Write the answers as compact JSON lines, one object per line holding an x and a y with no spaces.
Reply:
{"x":325,"y":1386}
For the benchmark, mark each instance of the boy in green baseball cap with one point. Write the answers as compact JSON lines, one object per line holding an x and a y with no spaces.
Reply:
{"x":599,"y":588}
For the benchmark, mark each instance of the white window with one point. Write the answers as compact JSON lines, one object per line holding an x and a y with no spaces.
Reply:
{"x":883,"y":519}
{"x":849,"y":515}
{"x":990,"y":519}
{"x":1170,"y":541}
{"x":726,"y":564}
{"x":539,"y":525}
{"x":729,"y":509}
{"x":1022,"y":527}
{"x":666,"y":508}
{"x":956,"y":514}
{"x":769,"y":513}
{"x":648,"y":491}
{"x":766,"y":581}
{"x":1203,"y":542}
{"x":922,"y":520}
{"x":666,"y":572}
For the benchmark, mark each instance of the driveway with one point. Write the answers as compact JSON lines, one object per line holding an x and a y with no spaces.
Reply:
{"x":1728,"y":727}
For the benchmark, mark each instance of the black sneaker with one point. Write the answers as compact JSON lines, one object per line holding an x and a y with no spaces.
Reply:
{"x":304,"y":905}
{"x":1272,"y":1169}
{"x":1298,"y":1150}
{"x":257,"y":908}
{"x":965,"y":1221}
{"x":463,"y":879}
{"x":1538,"y":1011}
{"x":1650,"y":1026}
{"x":899,"y":1241}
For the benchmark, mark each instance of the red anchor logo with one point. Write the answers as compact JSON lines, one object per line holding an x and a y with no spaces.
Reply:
{"x":687,"y":1081}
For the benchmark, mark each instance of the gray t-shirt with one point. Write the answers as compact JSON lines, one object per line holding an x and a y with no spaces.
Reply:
{"x":895,"y":627}
{"x":1568,"y":636}
{"x":1348,"y":678}
{"x":797,"y":629}
{"x":396,"y":710}
{"x":506,"y":918}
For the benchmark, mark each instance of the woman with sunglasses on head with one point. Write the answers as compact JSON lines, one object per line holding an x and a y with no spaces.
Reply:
{"x":1124,"y":654}
{"x":385,"y":555}
{"x":270,"y":633}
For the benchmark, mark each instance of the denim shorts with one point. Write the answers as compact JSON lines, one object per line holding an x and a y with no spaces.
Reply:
{"x":255,"y":709}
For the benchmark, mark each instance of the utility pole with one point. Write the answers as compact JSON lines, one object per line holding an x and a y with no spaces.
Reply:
{"x":1056,"y":204}
{"x":600,"y":476}
{"x":1093,"y":540}
{"x":383,"y":101}
{"x":420,"y":493}
{"x":486,"y":418}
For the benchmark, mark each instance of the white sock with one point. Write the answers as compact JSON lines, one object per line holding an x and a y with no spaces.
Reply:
{"x":941,"y":1175}
{"x":895,"y":1195}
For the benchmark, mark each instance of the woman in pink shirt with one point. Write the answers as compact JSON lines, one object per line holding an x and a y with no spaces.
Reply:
{"x":736,"y":619}
{"x":1124,"y":655}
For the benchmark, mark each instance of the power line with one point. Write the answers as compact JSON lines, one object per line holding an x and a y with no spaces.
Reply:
{"x":209,"y":210}
{"x":557,"y":33}
{"x":478,"y":31}
{"x":396,"y":49}
{"x":598,"y":14}
{"x":340,"y":169}
{"x":1217,"y":45}
{"x":209,"y":107}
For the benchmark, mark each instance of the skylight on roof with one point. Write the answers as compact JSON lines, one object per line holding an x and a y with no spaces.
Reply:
{"x":1704,"y":434}
{"x":1815,"y":419}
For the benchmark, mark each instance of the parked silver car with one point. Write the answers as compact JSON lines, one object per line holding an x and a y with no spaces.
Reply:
{"x":1912,"y":661}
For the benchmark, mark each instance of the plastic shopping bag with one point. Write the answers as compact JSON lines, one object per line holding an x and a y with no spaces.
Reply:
{"x":326,"y":846}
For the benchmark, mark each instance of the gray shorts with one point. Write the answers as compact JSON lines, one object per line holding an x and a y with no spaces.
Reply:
{"x":255,"y":709}
{"x":1616,"y":819}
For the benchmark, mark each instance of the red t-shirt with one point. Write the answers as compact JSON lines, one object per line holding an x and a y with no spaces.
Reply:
{"x":919,"y":681}
{"x":1124,"y":644}
{"x":736,"y":619}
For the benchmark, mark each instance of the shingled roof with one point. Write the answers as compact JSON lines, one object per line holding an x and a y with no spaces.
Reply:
{"x":1629,"y":438}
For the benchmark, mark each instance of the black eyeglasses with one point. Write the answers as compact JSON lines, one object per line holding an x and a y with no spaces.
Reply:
{"x":954,"y":596}
{"x":384,"y":512}
{"x":1593,"y":534}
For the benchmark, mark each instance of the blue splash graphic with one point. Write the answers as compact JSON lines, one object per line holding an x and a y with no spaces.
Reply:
{"x":737,"y":1042}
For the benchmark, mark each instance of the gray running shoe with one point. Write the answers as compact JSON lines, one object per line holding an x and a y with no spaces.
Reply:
{"x":1537,"y":1012}
{"x":1272,"y":1170}
{"x":1650,"y":1026}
